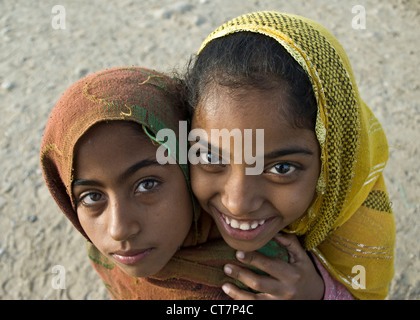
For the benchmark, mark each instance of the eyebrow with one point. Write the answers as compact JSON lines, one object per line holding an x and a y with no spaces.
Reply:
{"x":135,"y":167}
{"x":286,"y":152}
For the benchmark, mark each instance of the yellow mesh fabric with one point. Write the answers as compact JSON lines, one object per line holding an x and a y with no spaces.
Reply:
{"x":350,"y":222}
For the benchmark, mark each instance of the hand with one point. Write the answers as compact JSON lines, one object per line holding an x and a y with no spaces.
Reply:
{"x":296,"y":279}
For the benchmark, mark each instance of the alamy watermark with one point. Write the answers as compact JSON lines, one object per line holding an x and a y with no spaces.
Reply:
{"x":359,"y":20}
{"x":59,"y":19}
{"x":59,"y":281}
{"x":359,"y":280}
{"x":197,"y":153}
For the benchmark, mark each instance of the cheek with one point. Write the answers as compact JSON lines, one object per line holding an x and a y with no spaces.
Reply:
{"x":202,"y":184}
{"x":294,"y":202}
{"x":175,"y":210}
{"x":175,"y":224}
{"x":196,"y":182}
{"x":86,"y":223}
{"x":94,"y":228}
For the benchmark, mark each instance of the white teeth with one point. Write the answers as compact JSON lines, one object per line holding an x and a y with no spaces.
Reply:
{"x":237,"y":224}
{"x":234,"y":224}
{"x":244,"y":226}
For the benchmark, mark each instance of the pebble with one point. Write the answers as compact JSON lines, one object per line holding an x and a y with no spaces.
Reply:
{"x":32,"y":218}
{"x":7,"y":187}
{"x":81,"y":71}
{"x":164,"y":13}
{"x":177,"y":8}
{"x":7,"y":85}
{"x":5,"y":34}
{"x":181,"y":7}
{"x":198,"y":21}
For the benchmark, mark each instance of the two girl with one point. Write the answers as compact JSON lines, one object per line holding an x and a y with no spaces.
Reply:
{"x":98,"y":158}
{"x":324,"y":153}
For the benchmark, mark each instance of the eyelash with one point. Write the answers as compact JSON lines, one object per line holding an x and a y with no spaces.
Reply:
{"x":296,"y":168}
{"x":156,"y":183}
{"x":293,"y":166}
{"x":83,"y":196}
{"x":204,"y":154}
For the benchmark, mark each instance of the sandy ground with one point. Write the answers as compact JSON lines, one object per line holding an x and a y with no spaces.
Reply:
{"x":38,"y":62}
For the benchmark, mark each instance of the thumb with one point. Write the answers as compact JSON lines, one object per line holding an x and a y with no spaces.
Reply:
{"x":293,"y":246}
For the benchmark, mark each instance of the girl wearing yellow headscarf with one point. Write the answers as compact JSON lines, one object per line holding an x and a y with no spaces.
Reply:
{"x":324,"y":153}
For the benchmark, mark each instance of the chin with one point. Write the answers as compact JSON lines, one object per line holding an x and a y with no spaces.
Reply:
{"x":139,"y":272}
{"x":246,"y":246}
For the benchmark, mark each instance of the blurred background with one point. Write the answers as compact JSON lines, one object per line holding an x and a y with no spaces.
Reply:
{"x":45,"y":46}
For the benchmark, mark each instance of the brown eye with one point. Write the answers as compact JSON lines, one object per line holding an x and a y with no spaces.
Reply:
{"x":283,"y":168}
{"x":91,"y":199}
{"x":147,"y":185}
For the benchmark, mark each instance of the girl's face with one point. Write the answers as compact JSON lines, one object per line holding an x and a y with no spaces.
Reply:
{"x":134,"y":210}
{"x":250,"y":210}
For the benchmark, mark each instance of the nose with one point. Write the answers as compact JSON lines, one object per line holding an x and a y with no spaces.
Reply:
{"x":123,"y":220}
{"x":241,"y":194}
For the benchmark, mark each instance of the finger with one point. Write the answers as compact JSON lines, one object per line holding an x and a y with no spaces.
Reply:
{"x":237,"y":294}
{"x":271,"y":266}
{"x":258,"y":283}
{"x":293,"y":246}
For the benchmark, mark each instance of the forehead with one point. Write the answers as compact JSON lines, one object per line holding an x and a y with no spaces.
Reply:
{"x":114,"y":130}
{"x":243,"y":106}
{"x":244,"y":109}
{"x":112,"y":142}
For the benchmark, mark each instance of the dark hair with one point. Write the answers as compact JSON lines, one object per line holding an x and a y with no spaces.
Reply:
{"x":246,"y":59}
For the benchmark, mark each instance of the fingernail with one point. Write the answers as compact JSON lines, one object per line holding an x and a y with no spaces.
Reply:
{"x":228,"y":270}
{"x":226,"y":289}
{"x":240,"y":254}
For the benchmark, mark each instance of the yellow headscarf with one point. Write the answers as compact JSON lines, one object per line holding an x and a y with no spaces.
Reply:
{"x":350,"y":226}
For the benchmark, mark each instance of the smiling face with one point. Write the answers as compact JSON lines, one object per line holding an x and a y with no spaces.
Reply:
{"x":134,"y":210}
{"x":250,"y":210}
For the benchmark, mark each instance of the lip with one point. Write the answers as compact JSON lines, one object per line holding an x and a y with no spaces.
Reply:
{"x":239,"y":234}
{"x":131,"y":257}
